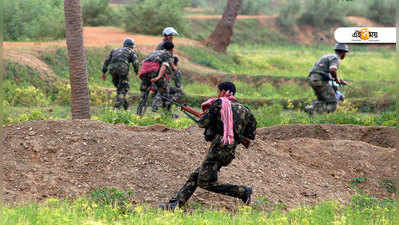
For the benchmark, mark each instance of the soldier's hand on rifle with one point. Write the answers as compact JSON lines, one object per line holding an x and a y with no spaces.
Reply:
{"x":191,"y":111}
{"x":104,"y":76}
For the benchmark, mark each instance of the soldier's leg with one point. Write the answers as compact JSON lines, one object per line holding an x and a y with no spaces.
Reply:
{"x":156,"y":102}
{"x":219,"y":156}
{"x":144,"y":89}
{"x":326,"y":99}
{"x":123,"y":90}
{"x":184,"y":194}
{"x":115,"y":81}
{"x":163,"y":89}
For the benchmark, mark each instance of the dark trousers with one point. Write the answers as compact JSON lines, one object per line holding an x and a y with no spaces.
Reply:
{"x":206,"y":176}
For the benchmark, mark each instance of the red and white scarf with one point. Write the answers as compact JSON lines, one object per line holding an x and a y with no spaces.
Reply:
{"x":226,"y":115}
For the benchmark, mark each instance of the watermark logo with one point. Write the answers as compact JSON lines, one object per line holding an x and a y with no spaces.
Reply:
{"x":365,"y":35}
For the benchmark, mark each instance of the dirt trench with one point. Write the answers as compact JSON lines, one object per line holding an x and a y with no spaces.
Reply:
{"x":292,"y":165}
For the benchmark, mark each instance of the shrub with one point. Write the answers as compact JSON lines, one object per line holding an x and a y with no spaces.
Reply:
{"x":323,"y":14}
{"x":33,"y":20}
{"x":288,"y":14}
{"x":113,"y":197}
{"x":255,"y":6}
{"x":382,"y":11}
{"x":152,"y":16}
{"x":26,"y":95}
{"x":99,"y":13}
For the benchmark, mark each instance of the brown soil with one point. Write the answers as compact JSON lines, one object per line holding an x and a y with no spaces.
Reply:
{"x":103,"y":36}
{"x":287,"y":164}
{"x":362,"y":21}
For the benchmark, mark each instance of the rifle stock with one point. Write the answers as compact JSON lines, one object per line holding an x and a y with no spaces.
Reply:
{"x":191,"y":111}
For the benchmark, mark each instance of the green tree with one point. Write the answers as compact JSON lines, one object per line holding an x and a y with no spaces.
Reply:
{"x":152,"y":16}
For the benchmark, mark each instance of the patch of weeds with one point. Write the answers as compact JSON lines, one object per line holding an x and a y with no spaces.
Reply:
{"x":357,"y":180}
{"x":260,"y":203}
{"x":113,"y":197}
{"x":368,"y":202}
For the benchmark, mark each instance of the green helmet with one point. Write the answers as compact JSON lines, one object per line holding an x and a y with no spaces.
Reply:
{"x":341,"y":47}
{"x":128,"y":43}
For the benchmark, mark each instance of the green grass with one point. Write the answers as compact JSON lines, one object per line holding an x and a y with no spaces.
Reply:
{"x":361,"y":210}
{"x":294,"y":61}
{"x":265,"y":116}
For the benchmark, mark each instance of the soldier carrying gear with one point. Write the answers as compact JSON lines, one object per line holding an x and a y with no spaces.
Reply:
{"x":154,"y":70}
{"x":118,"y":61}
{"x":323,"y":71}
{"x":175,"y":92}
{"x":227,"y":123}
{"x":168,"y":34}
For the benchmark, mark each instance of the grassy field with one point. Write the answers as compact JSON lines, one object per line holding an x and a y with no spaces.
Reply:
{"x":50,"y":99}
{"x":296,"y":61}
{"x":361,"y":210}
{"x":243,"y":32}
{"x":266,"y":116}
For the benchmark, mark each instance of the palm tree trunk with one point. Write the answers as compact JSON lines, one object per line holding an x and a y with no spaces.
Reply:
{"x":220,"y":38}
{"x":77,"y":60}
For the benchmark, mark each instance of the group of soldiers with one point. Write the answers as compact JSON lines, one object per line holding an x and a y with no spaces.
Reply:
{"x":157,"y":71}
{"x":227,"y":123}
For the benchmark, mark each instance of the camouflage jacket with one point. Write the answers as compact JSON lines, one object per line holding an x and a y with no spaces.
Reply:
{"x":122,"y":55}
{"x":160,"y":45}
{"x":159,"y":56}
{"x":324,"y":64}
{"x":177,"y":78}
{"x":244,"y":122}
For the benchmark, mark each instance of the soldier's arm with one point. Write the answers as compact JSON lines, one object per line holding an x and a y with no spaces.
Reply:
{"x":134,"y":60}
{"x":106,"y":62}
{"x":161,"y":72}
{"x":211,"y":116}
{"x":334,"y":64}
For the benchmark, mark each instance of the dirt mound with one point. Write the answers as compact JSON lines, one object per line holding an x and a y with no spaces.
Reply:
{"x":287,"y":164}
{"x":30,"y":58}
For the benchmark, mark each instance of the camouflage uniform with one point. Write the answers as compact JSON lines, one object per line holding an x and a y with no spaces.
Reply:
{"x":219,"y":155}
{"x":175,"y":92}
{"x":160,"y":45}
{"x":319,"y":77}
{"x":162,"y":86}
{"x":118,"y":62}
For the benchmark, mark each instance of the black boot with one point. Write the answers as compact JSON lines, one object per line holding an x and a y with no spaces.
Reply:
{"x":247,"y":196}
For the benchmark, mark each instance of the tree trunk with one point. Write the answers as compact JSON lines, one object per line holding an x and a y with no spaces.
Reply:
{"x":77,"y":60}
{"x":220,"y":38}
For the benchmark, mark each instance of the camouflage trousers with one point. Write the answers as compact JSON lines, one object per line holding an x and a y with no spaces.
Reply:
{"x":326,"y":96}
{"x":176,"y":94}
{"x":206,"y":176}
{"x":119,"y":73}
{"x":162,"y":86}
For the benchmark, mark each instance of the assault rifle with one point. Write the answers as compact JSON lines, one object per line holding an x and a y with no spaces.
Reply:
{"x":190,"y":112}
